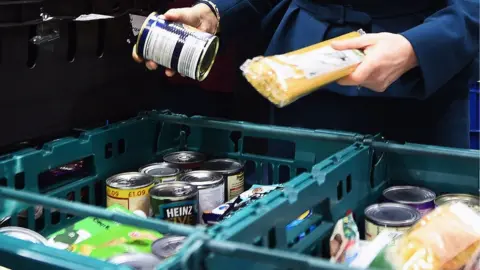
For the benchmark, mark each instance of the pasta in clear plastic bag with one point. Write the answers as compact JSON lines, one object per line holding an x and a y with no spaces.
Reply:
{"x":285,"y":78}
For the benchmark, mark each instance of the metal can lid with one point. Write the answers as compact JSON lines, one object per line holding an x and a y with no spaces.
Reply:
{"x":409,"y":194}
{"x":24,"y":234}
{"x":224,"y":165}
{"x":203,"y":179}
{"x":173,"y":189}
{"x":392,"y":214}
{"x":130,"y":180}
{"x":167,"y":246}
{"x":184,"y":157}
{"x":140,"y":261}
{"x":160,"y":169}
{"x":469,"y":200}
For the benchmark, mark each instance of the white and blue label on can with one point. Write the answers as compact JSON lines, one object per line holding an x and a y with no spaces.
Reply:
{"x":177,"y":46}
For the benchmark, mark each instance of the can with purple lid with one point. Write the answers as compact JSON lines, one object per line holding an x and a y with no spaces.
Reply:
{"x":420,"y":198}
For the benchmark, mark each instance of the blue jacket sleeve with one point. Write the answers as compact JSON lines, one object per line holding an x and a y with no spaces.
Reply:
{"x":446,"y":42}
{"x":238,"y":15}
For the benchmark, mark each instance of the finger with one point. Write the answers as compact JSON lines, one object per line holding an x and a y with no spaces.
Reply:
{"x":135,"y":56}
{"x":151,"y":65}
{"x":169,"y":72}
{"x":176,"y":14}
{"x":355,"y":43}
{"x":360,"y":75}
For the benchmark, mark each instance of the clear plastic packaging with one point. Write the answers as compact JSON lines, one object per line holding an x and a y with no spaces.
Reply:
{"x":345,"y":241}
{"x":285,"y":78}
{"x":446,"y":238}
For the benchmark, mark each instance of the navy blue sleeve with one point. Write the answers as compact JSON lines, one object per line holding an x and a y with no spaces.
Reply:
{"x":240,"y":15}
{"x":446,"y":42}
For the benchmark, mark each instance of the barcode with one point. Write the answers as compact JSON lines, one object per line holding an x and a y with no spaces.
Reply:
{"x":190,"y":55}
{"x":159,"y":46}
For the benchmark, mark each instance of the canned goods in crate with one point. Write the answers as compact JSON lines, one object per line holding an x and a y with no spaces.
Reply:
{"x":130,"y":190}
{"x":233,"y":172}
{"x":211,"y":189}
{"x":24,"y":234}
{"x":141,"y":261}
{"x":185,"y":160}
{"x":167,"y":246}
{"x":389,"y":216}
{"x":176,"y":202}
{"x":177,"y":46}
{"x":161,"y":172}
{"x":421,"y":199}
{"x":470,"y":200}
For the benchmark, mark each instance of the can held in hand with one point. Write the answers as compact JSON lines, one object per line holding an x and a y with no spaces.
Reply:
{"x":177,"y":46}
{"x":420,"y":198}
{"x":211,"y":189}
{"x":234,"y":173}
{"x":167,"y":246}
{"x":24,"y":234}
{"x":176,"y":202}
{"x":130,"y":190}
{"x":161,"y":172}
{"x":389,"y":216}
{"x":185,"y":160}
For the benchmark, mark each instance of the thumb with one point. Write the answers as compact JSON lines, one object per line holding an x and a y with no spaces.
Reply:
{"x":355,"y":43}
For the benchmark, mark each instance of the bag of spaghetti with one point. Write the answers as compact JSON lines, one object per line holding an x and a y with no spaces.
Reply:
{"x":285,"y":78}
{"x":446,"y":238}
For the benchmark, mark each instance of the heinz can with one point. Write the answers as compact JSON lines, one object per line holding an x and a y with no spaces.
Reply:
{"x":161,"y":172}
{"x":185,"y":160}
{"x":24,"y":234}
{"x":177,"y":46}
{"x":389,"y":216}
{"x":211,"y":189}
{"x":470,"y":200}
{"x":420,"y":198}
{"x":130,"y":190}
{"x":138,"y":261}
{"x":167,"y":246}
{"x":233,"y":172}
{"x":176,"y":202}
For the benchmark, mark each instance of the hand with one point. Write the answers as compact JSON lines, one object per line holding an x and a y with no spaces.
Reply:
{"x":387,"y":57}
{"x":199,"y":16}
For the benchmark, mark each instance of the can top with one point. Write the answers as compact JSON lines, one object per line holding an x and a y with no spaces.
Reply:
{"x":203,"y":179}
{"x":23,"y":234}
{"x":409,"y":194}
{"x":470,"y":200}
{"x":160,"y":169}
{"x":142,"y":261}
{"x":392,"y":214}
{"x":173,"y":190}
{"x":167,"y":246}
{"x":224,"y":165}
{"x":184,"y":157}
{"x":129,"y":180}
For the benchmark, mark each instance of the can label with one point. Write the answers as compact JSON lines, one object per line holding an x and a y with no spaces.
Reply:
{"x":236,"y":185}
{"x":132,"y":199}
{"x":372,"y":230}
{"x":210,"y":198}
{"x":166,"y":179}
{"x":185,"y":212}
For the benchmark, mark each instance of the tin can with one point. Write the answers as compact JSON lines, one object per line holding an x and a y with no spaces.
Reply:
{"x":185,"y":160}
{"x":175,"y":202}
{"x":389,"y":216}
{"x":161,"y":172}
{"x":471,"y":201}
{"x":130,"y":190}
{"x":140,"y":261}
{"x":24,"y":234}
{"x":419,"y":198}
{"x":233,"y":172}
{"x":167,"y":246}
{"x":177,"y":46}
{"x":211,"y":189}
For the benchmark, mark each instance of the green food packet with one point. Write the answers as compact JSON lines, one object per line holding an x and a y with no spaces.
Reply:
{"x":373,"y":255}
{"x":84,"y":229}
{"x":120,"y":240}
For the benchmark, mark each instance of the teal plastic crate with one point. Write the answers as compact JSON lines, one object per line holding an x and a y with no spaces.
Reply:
{"x":126,"y":146}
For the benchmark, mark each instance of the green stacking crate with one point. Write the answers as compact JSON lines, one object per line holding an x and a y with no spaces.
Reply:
{"x":126,"y":146}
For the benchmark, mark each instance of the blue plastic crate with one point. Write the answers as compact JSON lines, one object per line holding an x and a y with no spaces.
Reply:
{"x":126,"y":146}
